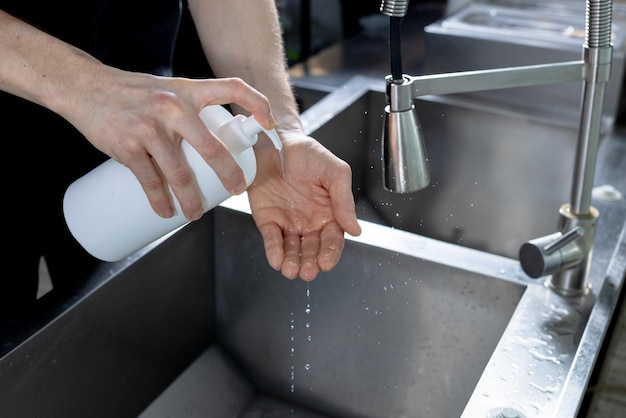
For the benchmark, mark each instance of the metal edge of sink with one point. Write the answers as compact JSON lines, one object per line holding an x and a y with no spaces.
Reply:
{"x":546,"y":357}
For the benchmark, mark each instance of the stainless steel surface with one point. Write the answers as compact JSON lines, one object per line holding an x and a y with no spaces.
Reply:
{"x":548,"y":21}
{"x":571,"y":275}
{"x":496,"y":78}
{"x":407,"y":325}
{"x":110,"y":347}
{"x":542,"y":256}
{"x":549,"y":339}
{"x":188,"y":397}
{"x":405,"y":167}
{"x":478,"y":156}
{"x":395,"y":330}
{"x":405,"y":163}
{"x":431,"y":274}
{"x":500,"y":34}
{"x":546,"y":353}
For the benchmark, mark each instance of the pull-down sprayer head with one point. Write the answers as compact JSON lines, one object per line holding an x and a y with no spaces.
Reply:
{"x":405,"y":165}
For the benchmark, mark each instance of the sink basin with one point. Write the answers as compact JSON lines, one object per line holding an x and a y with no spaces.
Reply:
{"x":392,"y":330}
{"x":427,"y":314}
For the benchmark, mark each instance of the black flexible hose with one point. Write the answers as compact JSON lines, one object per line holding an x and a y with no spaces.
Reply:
{"x":395,"y":47}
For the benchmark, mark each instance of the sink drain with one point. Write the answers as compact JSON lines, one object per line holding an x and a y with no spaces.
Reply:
{"x":505,"y":413}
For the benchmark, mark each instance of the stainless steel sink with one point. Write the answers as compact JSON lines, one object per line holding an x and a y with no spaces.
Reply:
{"x":427,"y":314}
{"x":395,"y":330}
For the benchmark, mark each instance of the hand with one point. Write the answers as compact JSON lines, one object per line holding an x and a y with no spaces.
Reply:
{"x":302,"y":217}
{"x":140,"y":120}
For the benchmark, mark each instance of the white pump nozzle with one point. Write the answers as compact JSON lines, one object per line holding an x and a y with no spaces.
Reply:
{"x":250,"y":127}
{"x":237,"y":132}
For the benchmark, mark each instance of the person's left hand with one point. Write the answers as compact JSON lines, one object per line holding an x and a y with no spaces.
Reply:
{"x":302,"y":217}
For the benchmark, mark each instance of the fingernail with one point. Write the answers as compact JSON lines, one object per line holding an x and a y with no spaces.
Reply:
{"x":239,"y":189}
{"x":196,"y":215}
{"x":168,"y":213}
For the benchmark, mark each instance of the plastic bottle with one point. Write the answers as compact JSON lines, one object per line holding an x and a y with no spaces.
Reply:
{"x":109,"y":214}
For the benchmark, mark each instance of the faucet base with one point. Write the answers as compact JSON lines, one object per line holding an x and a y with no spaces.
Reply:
{"x":571,"y":280}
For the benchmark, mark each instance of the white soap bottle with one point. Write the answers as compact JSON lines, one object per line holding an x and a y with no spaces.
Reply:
{"x":109,"y":214}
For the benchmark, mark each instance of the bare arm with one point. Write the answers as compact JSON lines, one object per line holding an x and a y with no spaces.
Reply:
{"x":138,"y":119}
{"x":242,"y":39}
{"x":302,"y":218}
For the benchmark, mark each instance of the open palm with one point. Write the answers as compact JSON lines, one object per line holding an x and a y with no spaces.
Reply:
{"x":303,"y":215}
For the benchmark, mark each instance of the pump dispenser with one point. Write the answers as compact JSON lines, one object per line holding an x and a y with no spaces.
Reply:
{"x":109,"y":214}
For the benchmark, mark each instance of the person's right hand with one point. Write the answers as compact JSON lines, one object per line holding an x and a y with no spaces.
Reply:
{"x":140,"y":120}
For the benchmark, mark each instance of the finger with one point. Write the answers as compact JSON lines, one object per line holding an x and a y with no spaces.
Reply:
{"x":342,"y":200}
{"x":331,"y":246}
{"x":235,"y":90}
{"x":291,"y":263}
{"x":273,"y":243}
{"x":180,"y":178}
{"x":309,"y":250}
{"x":153,"y":185}
{"x":214,"y":153}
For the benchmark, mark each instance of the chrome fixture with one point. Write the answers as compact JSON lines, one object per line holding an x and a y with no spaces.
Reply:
{"x":405,"y":164}
{"x":394,"y":8}
{"x":566,"y":254}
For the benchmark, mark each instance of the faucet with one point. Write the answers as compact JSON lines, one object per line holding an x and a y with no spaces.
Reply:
{"x":565,"y":255}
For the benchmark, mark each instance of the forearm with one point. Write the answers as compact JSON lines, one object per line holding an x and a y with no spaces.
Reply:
{"x":242,"y":38}
{"x":41,"y":68}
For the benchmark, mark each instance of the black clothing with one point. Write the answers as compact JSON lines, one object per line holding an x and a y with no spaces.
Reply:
{"x":136,"y":35}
